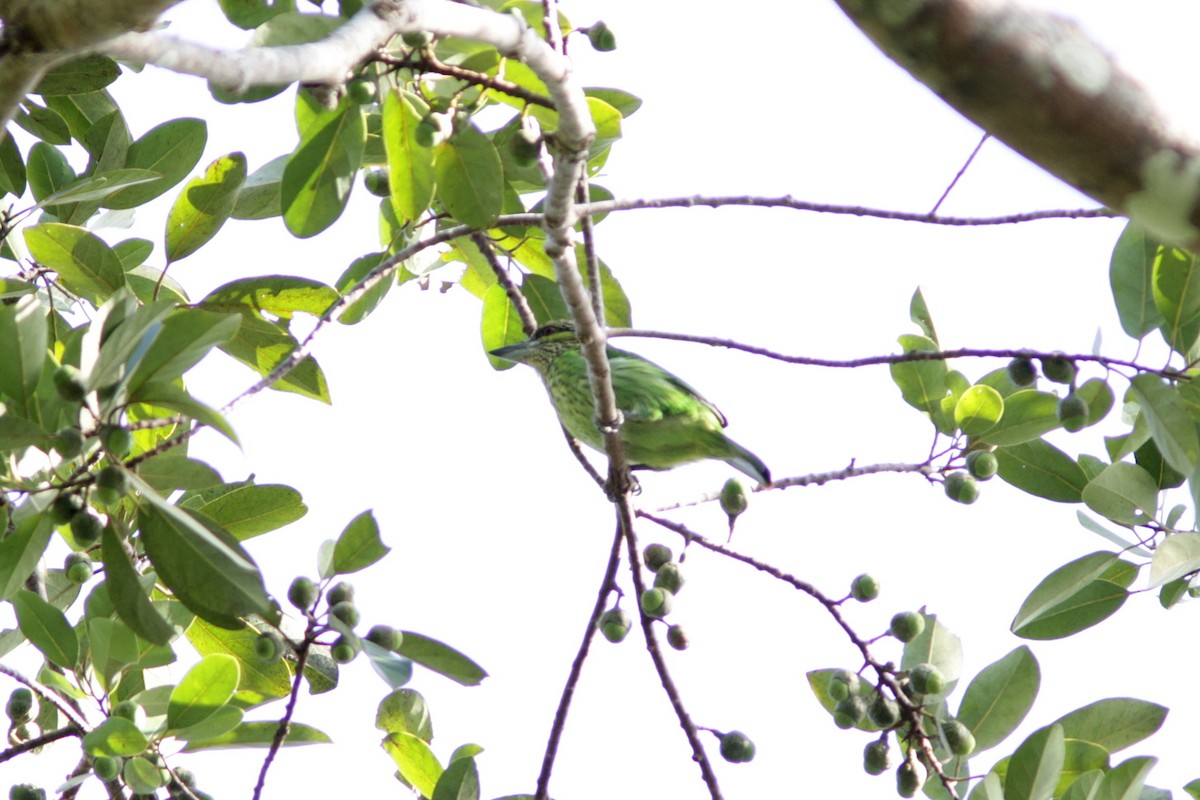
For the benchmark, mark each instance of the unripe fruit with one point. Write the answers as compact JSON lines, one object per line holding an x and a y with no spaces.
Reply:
{"x":982,"y":464}
{"x":733,"y":498}
{"x":961,"y":488}
{"x":86,"y":528}
{"x":907,"y":625}
{"x":346,"y":611}
{"x":736,"y":747}
{"x":68,"y":442}
{"x":877,"y":758}
{"x":341,"y":592}
{"x":1073,"y":412}
{"x":343,"y":650}
{"x":959,"y":738}
{"x":385,"y":636}
{"x":69,"y":384}
{"x":614,"y":624}
{"x":656,"y":602}
{"x":427,"y":132}
{"x":909,"y":778}
{"x":842,"y":684}
{"x":114,"y":479}
{"x":26,"y":791}
{"x":884,"y":712}
{"x":78,"y":568}
{"x":417,"y":39}
{"x":525,"y":147}
{"x":267,"y":647}
{"x":302,"y":593}
{"x":361,"y":91}
{"x":849,"y":712}
{"x":669,"y":577}
{"x":927,"y":679}
{"x":655,"y":555}
{"x":677,"y":637}
{"x":117,"y":441}
{"x":185,"y":776}
{"x":65,"y":506}
{"x":1058,"y":368}
{"x":377,"y":182}
{"x":1022,"y":372}
{"x":20,"y":705}
{"x":106,"y":768}
{"x":602,"y":38}
{"x":127,"y":709}
{"x":864,"y":588}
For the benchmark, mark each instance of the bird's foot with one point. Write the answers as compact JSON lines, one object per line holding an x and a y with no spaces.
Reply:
{"x":621,"y":483}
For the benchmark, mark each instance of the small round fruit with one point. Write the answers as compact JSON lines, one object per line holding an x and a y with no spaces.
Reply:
{"x":68,"y":442}
{"x":927,"y":679}
{"x":78,"y":568}
{"x":907,"y":625}
{"x":118,"y":441}
{"x":1073,"y":412}
{"x":602,"y":38}
{"x":385,"y":636}
{"x":961,"y":488}
{"x":127,"y":709}
{"x":341,"y":592}
{"x":655,"y":555}
{"x":106,"y":768}
{"x":345,"y":611}
{"x":267,"y":647}
{"x":427,"y":132}
{"x":343,"y":650}
{"x":669,"y":577}
{"x":884,"y":712}
{"x":849,"y":712}
{"x":1058,"y":368}
{"x":677,"y":637}
{"x":361,"y":91}
{"x":615,"y":624}
{"x":303,"y":593}
{"x":65,"y":506}
{"x":417,"y":39}
{"x":20,"y":705}
{"x":377,"y":182}
{"x":1022,"y":372}
{"x":112,"y":484}
{"x":69,"y":384}
{"x":26,"y":791}
{"x":982,"y":464}
{"x":864,"y":588}
{"x":525,"y":147}
{"x":86,"y":528}
{"x":656,"y":602}
{"x":909,"y":778}
{"x":877,"y":758}
{"x":736,"y":747}
{"x":959,"y":738}
{"x":733,"y":498}
{"x":842,"y":684}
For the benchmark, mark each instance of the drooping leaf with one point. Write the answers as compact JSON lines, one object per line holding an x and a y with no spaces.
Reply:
{"x":319,"y":175}
{"x":203,"y":206}
{"x":23,"y":336}
{"x":410,"y":166}
{"x":47,"y":628}
{"x":441,"y":658}
{"x":129,"y":600}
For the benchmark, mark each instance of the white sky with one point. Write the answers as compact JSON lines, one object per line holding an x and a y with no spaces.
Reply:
{"x":499,"y":540}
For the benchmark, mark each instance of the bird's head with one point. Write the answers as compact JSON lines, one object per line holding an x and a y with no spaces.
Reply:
{"x":547,"y":343}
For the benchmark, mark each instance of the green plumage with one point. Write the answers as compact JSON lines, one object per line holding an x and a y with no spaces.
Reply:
{"x":666,"y":421}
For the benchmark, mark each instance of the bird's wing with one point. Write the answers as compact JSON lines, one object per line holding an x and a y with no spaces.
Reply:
{"x":646,"y":391}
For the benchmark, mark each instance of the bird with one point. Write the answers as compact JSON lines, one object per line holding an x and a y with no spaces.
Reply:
{"x":666,"y":423}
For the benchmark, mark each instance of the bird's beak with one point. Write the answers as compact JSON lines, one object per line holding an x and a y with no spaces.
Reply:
{"x":513,"y":352}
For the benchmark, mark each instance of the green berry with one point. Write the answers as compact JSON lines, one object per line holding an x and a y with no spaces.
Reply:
{"x":20,"y":705}
{"x":525,"y":147}
{"x":1022,"y":372}
{"x":361,"y":91}
{"x":69,"y":384}
{"x":106,"y":768}
{"x":118,"y":441}
{"x":345,"y":611}
{"x":417,"y":39}
{"x":1058,"y":368}
{"x":343,"y":650}
{"x":78,"y":568}
{"x":65,"y":506}
{"x":427,"y":132}
{"x":112,"y":483}
{"x":303,"y":593}
{"x":268,"y":647}
{"x":733,"y":498}
{"x":602,"y":39}
{"x":340,"y":592}
{"x":669,"y":577}
{"x":26,"y":791}
{"x":656,"y":602}
{"x":842,"y":684}
{"x":614,"y":624}
{"x":86,"y":528}
{"x":377,"y":182}
{"x":907,"y":625}
{"x":677,"y":637}
{"x":1073,"y":412}
{"x":127,"y":709}
{"x":884,"y":712}
{"x":927,"y":679}
{"x":736,"y":747}
{"x":864,"y":588}
{"x":385,"y":636}
{"x":959,"y":738}
{"x":877,"y":758}
{"x":909,"y":779}
{"x":850,"y":711}
{"x":982,"y":464}
{"x":68,"y":442}
{"x":961,"y":488}
{"x":655,"y":555}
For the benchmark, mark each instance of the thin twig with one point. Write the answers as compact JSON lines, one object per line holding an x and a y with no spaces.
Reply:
{"x":528,"y":320}
{"x":285,"y":721}
{"x":962,"y":171}
{"x":38,"y":741}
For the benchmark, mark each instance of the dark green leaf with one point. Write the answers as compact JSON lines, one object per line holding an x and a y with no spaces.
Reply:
{"x":320,"y":173}
{"x":441,"y":658}
{"x":12,"y":168}
{"x":999,"y":697}
{"x":1114,"y":723}
{"x":1041,"y":469}
{"x":544,"y":298}
{"x":203,"y":206}
{"x":79,"y":75}
{"x":128,"y":598}
{"x":47,"y":628}
{"x":1035,"y":767}
{"x":170,"y":150}
{"x":44,"y":123}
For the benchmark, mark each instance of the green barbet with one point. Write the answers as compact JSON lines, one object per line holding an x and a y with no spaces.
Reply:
{"x":666,"y":421}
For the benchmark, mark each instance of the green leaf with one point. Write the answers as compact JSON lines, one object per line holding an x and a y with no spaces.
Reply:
{"x":116,"y":736}
{"x":1075,"y":596}
{"x":223,"y":720}
{"x":247,"y":510}
{"x":170,"y":396}
{"x":280,"y":296}
{"x":1036,"y":765}
{"x":170,"y":470}
{"x":78,"y":75}
{"x":1170,"y":423}
{"x":358,"y":310}
{"x":1126,"y":780}
{"x":187,"y":335}
{"x":18,"y":433}
{"x":47,"y":170}
{"x":544,"y":298}
{"x":410,"y":166}
{"x":918,"y":312}
{"x":441,"y":658}
{"x":259,"y":734}
{"x":470,"y":179}
{"x":107,"y":141}
{"x":1124,"y":493}
{"x":23,"y":337}
{"x":44,"y":123}
{"x":417,"y":764}
{"x":395,"y":670}
{"x":1176,"y":556}
{"x":21,"y":549}
{"x":404,"y":711}
{"x":1177,"y":296}
{"x":1041,"y":469}
{"x":112,"y":647}
{"x":203,"y":206}
{"x":260,"y":196}
{"x":500,"y":325}
{"x":999,"y":697}
{"x":1193,"y":788}
{"x":262,"y":346}
{"x":98,"y":186}
{"x":260,"y":681}
{"x":128,"y":598}
{"x":205,"y":688}
{"x":978,"y":410}
{"x":938,"y":646}
{"x":460,"y":781}
{"x":1028,"y":414}
{"x":85,"y":264}
{"x":1114,"y":723}
{"x":46,"y":628}
{"x":627,"y":104}
{"x":319,"y":175}
{"x":12,"y":168}
{"x":171,"y":150}
{"x":358,"y":546}
{"x":922,"y":383}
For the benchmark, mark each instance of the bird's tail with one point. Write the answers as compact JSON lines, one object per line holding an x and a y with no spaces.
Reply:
{"x":743,"y":460}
